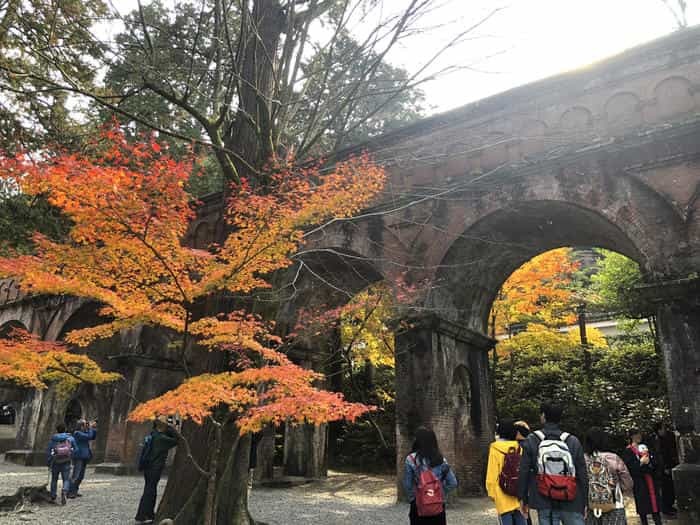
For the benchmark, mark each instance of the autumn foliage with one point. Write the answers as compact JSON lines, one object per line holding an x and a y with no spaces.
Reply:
{"x":130,"y":211}
{"x":28,"y":361}
{"x":539,"y":291}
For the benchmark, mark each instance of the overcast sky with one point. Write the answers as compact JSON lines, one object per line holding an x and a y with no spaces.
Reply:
{"x":532,"y":39}
{"x":524,"y":41}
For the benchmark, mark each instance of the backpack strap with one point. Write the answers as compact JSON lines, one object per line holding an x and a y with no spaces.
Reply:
{"x":539,"y":434}
{"x":564,"y":436}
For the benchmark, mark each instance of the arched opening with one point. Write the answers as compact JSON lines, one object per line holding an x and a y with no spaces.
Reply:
{"x":73,"y":413}
{"x":318,"y":289}
{"x":456,"y":330}
{"x":569,"y":332}
{"x":11,"y":399}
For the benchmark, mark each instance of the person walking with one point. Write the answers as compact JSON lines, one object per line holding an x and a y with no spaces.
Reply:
{"x":427,"y":480}
{"x":553,"y":477}
{"x":664,"y":445}
{"x":502,"y":474}
{"x":608,"y":479}
{"x":85,"y":433}
{"x":59,"y":454}
{"x":156,"y":446}
{"x":641,"y":464}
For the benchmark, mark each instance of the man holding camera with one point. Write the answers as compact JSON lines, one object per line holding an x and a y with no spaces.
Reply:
{"x":85,"y":433}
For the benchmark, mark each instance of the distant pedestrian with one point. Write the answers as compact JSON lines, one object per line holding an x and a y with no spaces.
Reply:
{"x":642,"y":466}
{"x":664,"y":445}
{"x":85,"y":433}
{"x":502,"y":474}
{"x":59,"y":454}
{"x":608,"y":479}
{"x":156,"y":446}
{"x":553,"y":478}
{"x":427,"y":480}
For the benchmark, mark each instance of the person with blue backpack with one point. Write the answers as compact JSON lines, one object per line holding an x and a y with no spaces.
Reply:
{"x":154,"y":453}
{"x":85,"y":433}
{"x":427,"y":480}
{"x":59,"y":454}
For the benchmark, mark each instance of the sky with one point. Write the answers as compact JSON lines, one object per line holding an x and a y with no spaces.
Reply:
{"x":527,"y":40}
{"x":523,"y":41}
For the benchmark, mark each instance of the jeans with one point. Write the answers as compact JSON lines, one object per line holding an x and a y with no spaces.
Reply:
{"x":147,"y":505}
{"x":513,"y":517}
{"x":79,"y":466}
{"x":555,"y":517}
{"x":64,"y":470}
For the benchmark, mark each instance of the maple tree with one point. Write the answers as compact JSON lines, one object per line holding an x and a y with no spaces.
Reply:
{"x":540,"y":291}
{"x":28,"y":361}
{"x":129,"y":211}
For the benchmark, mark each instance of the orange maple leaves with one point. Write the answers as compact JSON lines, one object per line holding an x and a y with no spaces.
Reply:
{"x":28,"y":361}
{"x":130,"y":210}
{"x":539,"y":290}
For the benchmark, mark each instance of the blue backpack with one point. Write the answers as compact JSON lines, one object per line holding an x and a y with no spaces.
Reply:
{"x":144,"y":452}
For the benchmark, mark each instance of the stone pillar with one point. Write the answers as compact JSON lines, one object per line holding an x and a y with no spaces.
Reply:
{"x":305,"y":445}
{"x":306,"y":450}
{"x":677,"y":307}
{"x":442,"y":383}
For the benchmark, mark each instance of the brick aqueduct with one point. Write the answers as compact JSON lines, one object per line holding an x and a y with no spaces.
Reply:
{"x":605,"y":156}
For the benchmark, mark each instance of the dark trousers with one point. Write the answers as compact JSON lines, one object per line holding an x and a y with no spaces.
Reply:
{"x":64,"y":470}
{"x":656,"y":517}
{"x":415,"y":519}
{"x":147,"y":506}
{"x":79,"y":466}
{"x":668,"y":493}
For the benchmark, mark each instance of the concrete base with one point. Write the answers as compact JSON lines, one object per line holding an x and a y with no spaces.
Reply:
{"x":686,"y":478}
{"x":122,"y":469}
{"x":116,"y":469}
{"x":28,"y":458}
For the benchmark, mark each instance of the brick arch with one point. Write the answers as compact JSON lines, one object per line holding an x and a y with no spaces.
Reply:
{"x":623,"y":109}
{"x":576,"y":118}
{"x":323,"y":276}
{"x":202,"y":235}
{"x":673,"y":96}
{"x":10,"y":325}
{"x":515,"y":222}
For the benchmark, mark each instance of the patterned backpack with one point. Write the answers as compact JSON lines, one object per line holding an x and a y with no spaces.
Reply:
{"x":601,"y":485}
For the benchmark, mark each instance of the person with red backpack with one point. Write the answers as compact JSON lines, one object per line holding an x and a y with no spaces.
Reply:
{"x":553,"y":476}
{"x":427,"y":480}
{"x":502,"y":474}
{"x":59,"y":455}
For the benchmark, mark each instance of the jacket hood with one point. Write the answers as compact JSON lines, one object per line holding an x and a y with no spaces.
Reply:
{"x":504,"y":446}
{"x":61,"y":437}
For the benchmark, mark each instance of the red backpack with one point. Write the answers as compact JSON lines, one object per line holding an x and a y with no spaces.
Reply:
{"x":508,"y":478}
{"x":430,"y":499}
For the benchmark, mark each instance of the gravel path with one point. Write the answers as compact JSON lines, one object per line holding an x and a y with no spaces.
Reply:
{"x":342,"y":499}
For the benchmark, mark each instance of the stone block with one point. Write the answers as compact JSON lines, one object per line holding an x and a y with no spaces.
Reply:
{"x":28,"y":458}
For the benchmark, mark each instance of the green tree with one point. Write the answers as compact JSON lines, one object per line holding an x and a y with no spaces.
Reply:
{"x":33,"y":36}
{"x":614,"y":282}
{"x":627,"y":387}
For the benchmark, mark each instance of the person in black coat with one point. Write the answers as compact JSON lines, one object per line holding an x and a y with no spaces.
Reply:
{"x":642,"y":466}
{"x":667,"y":455}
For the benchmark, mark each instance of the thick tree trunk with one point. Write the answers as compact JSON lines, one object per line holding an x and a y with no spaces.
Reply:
{"x":186,"y":494}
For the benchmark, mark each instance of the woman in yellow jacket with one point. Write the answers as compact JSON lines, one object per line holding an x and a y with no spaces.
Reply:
{"x":507,"y":506}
